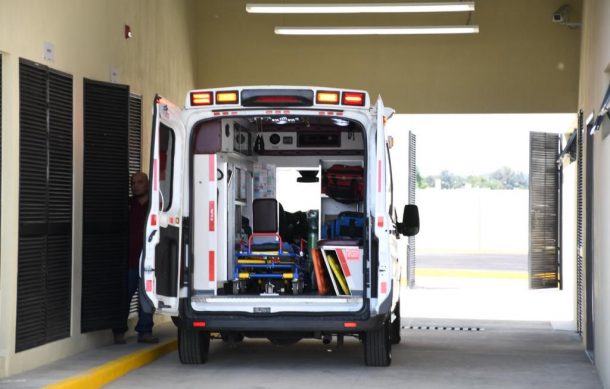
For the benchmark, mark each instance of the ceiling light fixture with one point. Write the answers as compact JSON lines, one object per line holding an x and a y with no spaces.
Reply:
{"x":419,"y":30}
{"x":462,"y":6}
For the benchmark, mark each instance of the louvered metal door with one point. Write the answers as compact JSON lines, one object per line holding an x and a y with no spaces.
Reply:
{"x":412,"y":188}
{"x":135,"y":152}
{"x":45,"y":206}
{"x":579,"y":224}
{"x":589,"y":263}
{"x":135,"y":133}
{"x":105,"y":205}
{"x":544,"y":181}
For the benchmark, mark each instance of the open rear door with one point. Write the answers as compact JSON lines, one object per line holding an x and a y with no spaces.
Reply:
{"x":162,"y":254}
{"x":382,"y":222}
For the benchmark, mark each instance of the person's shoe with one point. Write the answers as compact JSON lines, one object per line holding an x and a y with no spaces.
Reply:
{"x":147,"y":338}
{"x":119,"y":338}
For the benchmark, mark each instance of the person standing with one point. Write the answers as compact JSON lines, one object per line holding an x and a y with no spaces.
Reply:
{"x":138,"y":206}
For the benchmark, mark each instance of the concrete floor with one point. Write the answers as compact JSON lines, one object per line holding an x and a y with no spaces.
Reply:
{"x":498,"y":355}
{"x":448,"y":341}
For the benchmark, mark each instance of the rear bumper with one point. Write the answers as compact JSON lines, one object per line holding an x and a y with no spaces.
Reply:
{"x":281,"y":322}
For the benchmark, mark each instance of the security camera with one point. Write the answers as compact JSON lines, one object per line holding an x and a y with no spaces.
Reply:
{"x":561,"y":15}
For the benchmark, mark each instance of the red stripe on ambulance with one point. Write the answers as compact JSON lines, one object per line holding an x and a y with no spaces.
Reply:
{"x":211,"y":217}
{"x":212,"y":168}
{"x":380,"y":221}
{"x":212,"y":266}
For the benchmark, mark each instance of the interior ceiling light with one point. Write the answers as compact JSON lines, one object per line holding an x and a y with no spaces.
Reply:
{"x":462,"y":6}
{"x":419,"y":30}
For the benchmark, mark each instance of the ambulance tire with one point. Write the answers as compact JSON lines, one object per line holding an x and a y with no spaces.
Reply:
{"x":395,"y":326}
{"x":377,"y":346}
{"x":193,"y":346}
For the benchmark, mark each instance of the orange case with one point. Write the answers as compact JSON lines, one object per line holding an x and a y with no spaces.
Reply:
{"x":318,"y":268}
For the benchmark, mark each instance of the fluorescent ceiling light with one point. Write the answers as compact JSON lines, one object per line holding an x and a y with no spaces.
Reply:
{"x":463,"y":6}
{"x":420,"y":30}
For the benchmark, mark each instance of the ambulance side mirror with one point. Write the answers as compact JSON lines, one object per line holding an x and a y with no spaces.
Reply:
{"x":410,"y":221}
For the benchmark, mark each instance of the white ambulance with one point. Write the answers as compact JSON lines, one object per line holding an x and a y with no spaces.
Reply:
{"x":272,"y":215}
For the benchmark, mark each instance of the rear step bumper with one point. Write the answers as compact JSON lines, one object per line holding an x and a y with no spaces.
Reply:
{"x":289,"y":322}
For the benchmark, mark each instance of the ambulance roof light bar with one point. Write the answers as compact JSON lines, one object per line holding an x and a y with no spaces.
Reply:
{"x":276,"y":97}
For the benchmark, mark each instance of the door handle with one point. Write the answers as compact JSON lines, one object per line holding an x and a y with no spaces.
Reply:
{"x":152,"y":234}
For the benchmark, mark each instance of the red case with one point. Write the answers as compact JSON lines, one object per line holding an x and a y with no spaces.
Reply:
{"x":344,"y":183}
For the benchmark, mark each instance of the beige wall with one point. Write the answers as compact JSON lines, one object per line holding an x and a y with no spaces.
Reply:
{"x":484,"y":218}
{"x":519,"y":62}
{"x":88,"y":40}
{"x":594,"y":80}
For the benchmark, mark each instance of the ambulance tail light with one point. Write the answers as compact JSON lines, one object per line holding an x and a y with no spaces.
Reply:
{"x":228,"y":97}
{"x":327,"y":97}
{"x":201,"y":98}
{"x":277,"y":98}
{"x":353,"y":98}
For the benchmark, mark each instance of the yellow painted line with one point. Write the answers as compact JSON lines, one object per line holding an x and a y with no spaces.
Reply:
{"x":461,"y":273}
{"x":110,"y":371}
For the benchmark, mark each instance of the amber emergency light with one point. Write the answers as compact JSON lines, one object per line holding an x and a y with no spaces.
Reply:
{"x":201,"y":98}
{"x":327,"y":97}
{"x":228,"y":97}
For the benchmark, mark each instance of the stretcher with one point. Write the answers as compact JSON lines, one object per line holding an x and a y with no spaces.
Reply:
{"x":277,"y":263}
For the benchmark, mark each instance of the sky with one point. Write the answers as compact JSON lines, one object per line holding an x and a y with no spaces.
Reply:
{"x":474,"y":144}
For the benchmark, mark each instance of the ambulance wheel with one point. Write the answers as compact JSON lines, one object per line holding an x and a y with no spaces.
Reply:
{"x":377,"y":345}
{"x":395,"y":326}
{"x":193,"y":346}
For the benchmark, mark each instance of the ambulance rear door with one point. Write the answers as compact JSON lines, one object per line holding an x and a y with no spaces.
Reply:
{"x":162,"y":256}
{"x":382,"y":220}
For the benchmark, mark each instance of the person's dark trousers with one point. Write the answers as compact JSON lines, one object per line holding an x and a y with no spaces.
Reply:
{"x":145,"y":320}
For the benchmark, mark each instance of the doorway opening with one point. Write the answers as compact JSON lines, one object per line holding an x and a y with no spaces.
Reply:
{"x":473,"y":255}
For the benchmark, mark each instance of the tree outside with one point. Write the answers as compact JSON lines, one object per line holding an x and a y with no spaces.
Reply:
{"x":503,"y":178}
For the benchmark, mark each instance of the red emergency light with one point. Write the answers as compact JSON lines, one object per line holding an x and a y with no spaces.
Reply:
{"x":271,"y":100}
{"x":277,"y":97}
{"x":353,"y":98}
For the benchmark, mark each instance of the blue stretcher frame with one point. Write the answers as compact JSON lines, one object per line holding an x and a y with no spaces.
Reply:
{"x":272,"y":266}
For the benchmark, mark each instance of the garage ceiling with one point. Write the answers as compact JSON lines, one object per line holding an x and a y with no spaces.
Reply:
{"x":520,"y":62}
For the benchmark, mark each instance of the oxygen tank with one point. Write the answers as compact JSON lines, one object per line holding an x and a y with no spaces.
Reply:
{"x":312,"y":240}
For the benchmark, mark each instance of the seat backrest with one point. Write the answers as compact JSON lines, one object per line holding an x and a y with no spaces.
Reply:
{"x":265,"y":215}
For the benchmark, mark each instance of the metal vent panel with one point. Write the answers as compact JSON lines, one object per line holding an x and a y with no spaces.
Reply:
{"x":544,"y":211}
{"x":135,"y":155}
{"x":411,"y":260}
{"x":44,"y":280}
{"x":105,"y":202}
{"x":579,"y":224}
{"x":135,"y":133}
